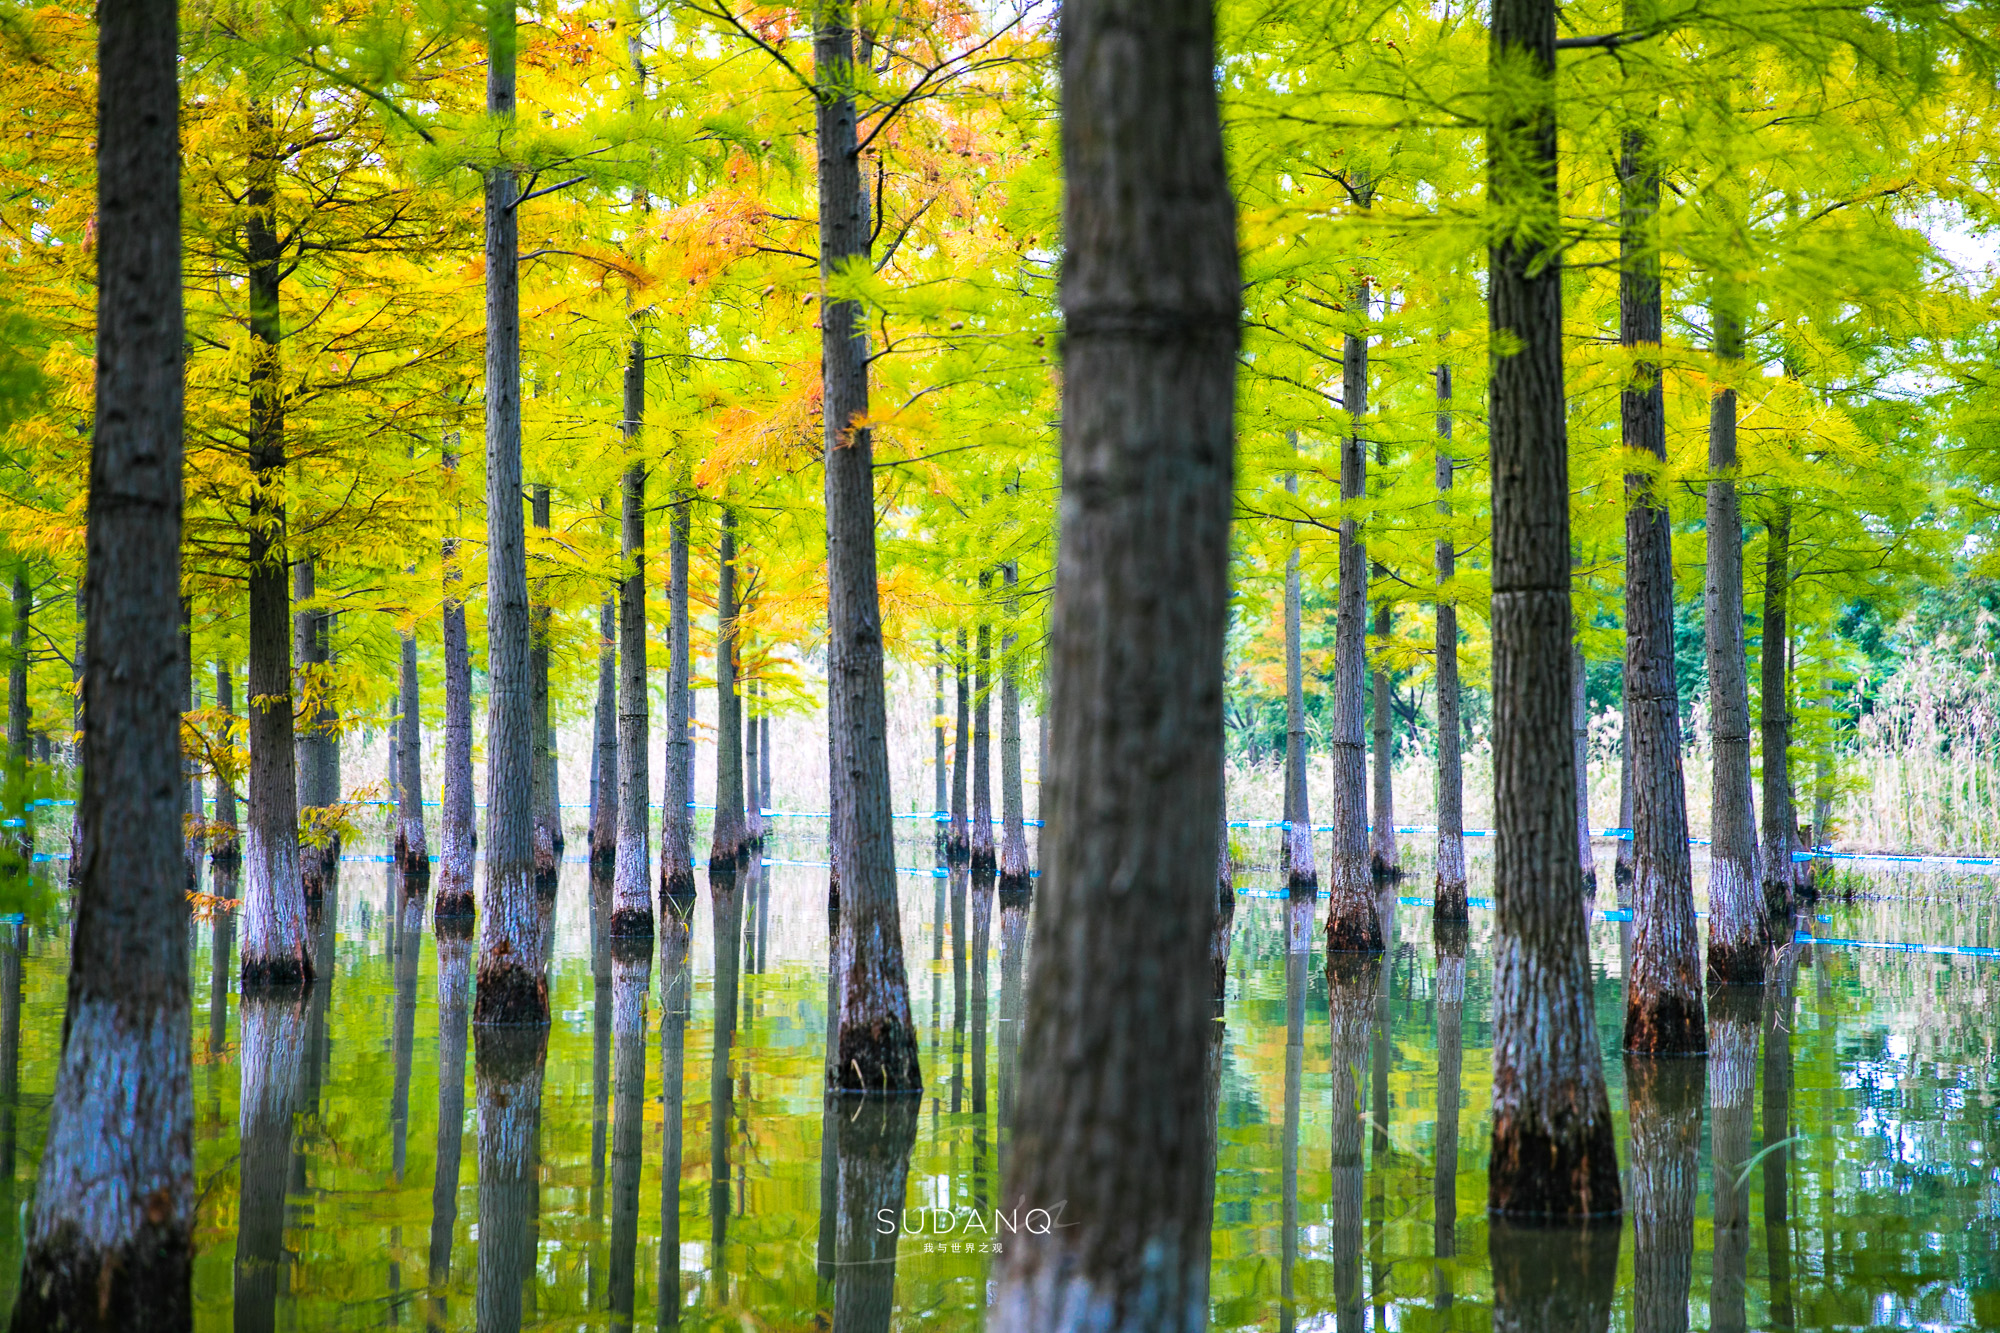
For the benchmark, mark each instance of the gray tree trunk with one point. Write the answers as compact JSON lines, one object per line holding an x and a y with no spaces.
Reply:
{"x":1122,"y":1030}
{"x":1013,"y":818}
{"x":1351,"y":983}
{"x":1737,"y":940}
{"x":1449,"y":905}
{"x":942,"y":803}
{"x":958,"y":843}
{"x":677,"y":821}
{"x":412,"y":849}
{"x":546,"y":799}
{"x":1665,"y":1097}
{"x":981,"y":830}
{"x":508,"y":1064}
{"x":1552,"y":1153}
{"x":512,"y":984}
{"x":227,"y":851}
{"x":1663,"y":1005}
{"x":1734,"y":1014}
{"x":631,"y":901}
{"x":1579,"y":725}
{"x":604,"y":743}
{"x":317,"y":748}
{"x":1622,"y":873}
{"x":631,"y":978}
{"x":1450,"y":938}
{"x":1351,"y":924}
{"x":118,"y":1254}
{"x":1301,"y":874}
{"x":1777,"y":1129}
{"x":877,"y":1042}
{"x":1775,"y":714}
{"x":457,"y":833}
{"x":764,"y":765}
{"x":454,"y":998}
{"x":753,"y":806}
{"x":676,"y":1006}
{"x":1384,"y":861}
{"x":727,"y":840}
{"x":726,"y":925}
{"x":275,"y":1050}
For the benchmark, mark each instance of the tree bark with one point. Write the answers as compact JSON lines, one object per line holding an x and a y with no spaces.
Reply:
{"x":1013,"y":818}
{"x":871,"y":1177}
{"x":1351,"y":983}
{"x":1775,"y":714}
{"x":546,"y":799}
{"x":676,"y":1005}
{"x":631,"y":903}
{"x":1737,"y":940}
{"x":1298,"y":958}
{"x":508,"y":1065}
{"x":1579,"y":725}
{"x":727,"y":840}
{"x":1223,"y":927}
{"x":412,"y":849}
{"x":726,"y":925}
{"x":958,"y":843}
{"x":1448,"y":898}
{"x":677,"y":821}
{"x":1665,"y":1097}
{"x":109,"y":1244}
{"x":1663,"y":1006}
{"x":274,"y":907}
{"x":1552,"y":1153}
{"x":274,"y":1052}
{"x":1450,"y":939}
{"x":457,"y":834}
{"x":454,"y":995}
{"x":512,"y":983}
{"x":753,"y":808}
{"x":1734,"y":1014}
{"x":1384,"y":861}
{"x":877,"y":1042}
{"x":1301,"y":874}
{"x":604,"y":743}
{"x":1777,"y":1129}
{"x":227,"y":851}
{"x":318,"y":750}
{"x":1113,"y":1114}
{"x":631,"y":978}
{"x":981,"y":830}
{"x":764,"y":764}
{"x":19,"y":753}
{"x":1351,"y":923}
{"x":942,"y":803}
{"x":1622,"y":872}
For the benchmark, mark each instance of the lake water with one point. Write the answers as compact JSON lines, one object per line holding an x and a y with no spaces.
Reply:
{"x":1827,"y":1168}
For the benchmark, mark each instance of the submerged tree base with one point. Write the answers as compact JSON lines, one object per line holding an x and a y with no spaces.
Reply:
{"x":509,"y":995}
{"x":415,"y":868}
{"x":146,"y":1285}
{"x":1736,"y":964}
{"x":1346,"y":934}
{"x":1449,"y":908}
{"x":630,"y":924}
{"x":1666,"y":1023}
{"x":677,"y":884}
{"x":453,"y":906}
{"x":1385,"y":872}
{"x":877,"y":1060}
{"x":1558,"y":1275}
{"x":278,"y":973}
{"x":1570,"y":1174}
{"x":1302,"y":884}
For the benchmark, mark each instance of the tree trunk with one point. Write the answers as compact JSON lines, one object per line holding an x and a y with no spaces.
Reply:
{"x":457,"y":834}
{"x":546,"y":799}
{"x":631,"y":903}
{"x":454,"y":996}
{"x":958,"y":843}
{"x":1298,"y":958}
{"x":1622,"y":872}
{"x":676,"y":1005}
{"x":631,"y":978}
{"x":764,"y":765}
{"x":1350,"y":1001}
{"x":408,"y":954}
{"x":508,"y":1064}
{"x":18,"y":752}
{"x":677,"y":821}
{"x":1665,"y":1098}
{"x":604,"y":744}
{"x":878,"y":1045}
{"x":1301,"y":874}
{"x":1013,"y":818}
{"x":109,"y":1244}
{"x":753,"y":808}
{"x":76,"y":669}
{"x":1114,"y":1110}
{"x":726,"y":925}
{"x":412,"y":849}
{"x":274,"y":1053}
{"x":1579,"y":727}
{"x":227,"y":851}
{"x":307,"y":652}
{"x":982,"y":736}
{"x":1224,"y":925}
{"x":1736,"y":934}
{"x":726,"y":843}
{"x":1552,"y":1153}
{"x":1449,"y":905}
{"x":1450,"y":938}
{"x":1775,"y":714}
{"x":512,"y":984}
{"x":274,"y":908}
{"x":872,"y":1177}
{"x":1734,"y":1013}
{"x":941,"y":808}
{"x":1663,"y":1006}
{"x":1350,"y":921}
{"x":1548,"y":1278}
{"x":13,"y":943}
{"x":1777,"y":1129}
{"x":1384,"y":861}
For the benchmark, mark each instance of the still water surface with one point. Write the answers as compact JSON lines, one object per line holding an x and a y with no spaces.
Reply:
{"x":659,"y":1161}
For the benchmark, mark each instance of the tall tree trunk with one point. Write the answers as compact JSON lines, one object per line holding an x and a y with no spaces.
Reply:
{"x":1622,"y":872}
{"x":631,"y":903}
{"x":726,"y":926}
{"x":1222,"y":928}
{"x":878,"y":1044}
{"x":1350,"y":1001}
{"x":1776,"y":1127}
{"x":1734,"y":1013}
{"x":1301,"y":874}
{"x":631,"y":978}
{"x":676,"y":820}
{"x":228,"y":851}
{"x":1552,"y":1153}
{"x":14,"y":943}
{"x":958,"y":844}
{"x":1579,"y":729}
{"x":941,"y":809}
{"x":275,"y":951}
{"x":275,"y":1050}
{"x":764,"y":765}
{"x":454,"y":998}
{"x":1663,"y":1006}
{"x":76,"y":669}
{"x":513,"y":986}
{"x":981,"y":830}
{"x":548,"y":834}
{"x":508,"y":1064}
{"x":310,"y":653}
{"x":1449,"y":905}
{"x":1775,"y":714}
{"x":118,"y":1253}
{"x":1113,"y":1113}
{"x":676,"y":1005}
{"x":195,"y":839}
{"x":1298,"y":958}
{"x":726,"y":842}
{"x":604,"y":743}
{"x":1384,"y":861}
{"x":1351,"y":923}
{"x":1665,"y":1096}
{"x":753,"y":808}
{"x":413,"y":852}
{"x":1013,"y":817}
{"x":1450,"y":938}
{"x":1736,"y":934}
{"x":872,"y":1178}
{"x":457,"y":834}
{"x":18,"y":753}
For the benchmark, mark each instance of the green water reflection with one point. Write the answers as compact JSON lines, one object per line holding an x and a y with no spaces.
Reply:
{"x":662,"y":1158}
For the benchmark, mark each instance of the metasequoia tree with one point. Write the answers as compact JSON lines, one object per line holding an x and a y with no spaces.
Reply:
{"x":110,"y":1243}
{"x":457,"y":839}
{"x":677,"y":821}
{"x":1301,"y":875}
{"x":726,"y":842}
{"x":981,"y":830}
{"x":1014,"y":832}
{"x":631,"y":904}
{"x":1552,"y":1153}
{"x":543,"y":790}
{"x":412,"y":851}
{"x":1449,"y":905}
{"x":1150,"y":298}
